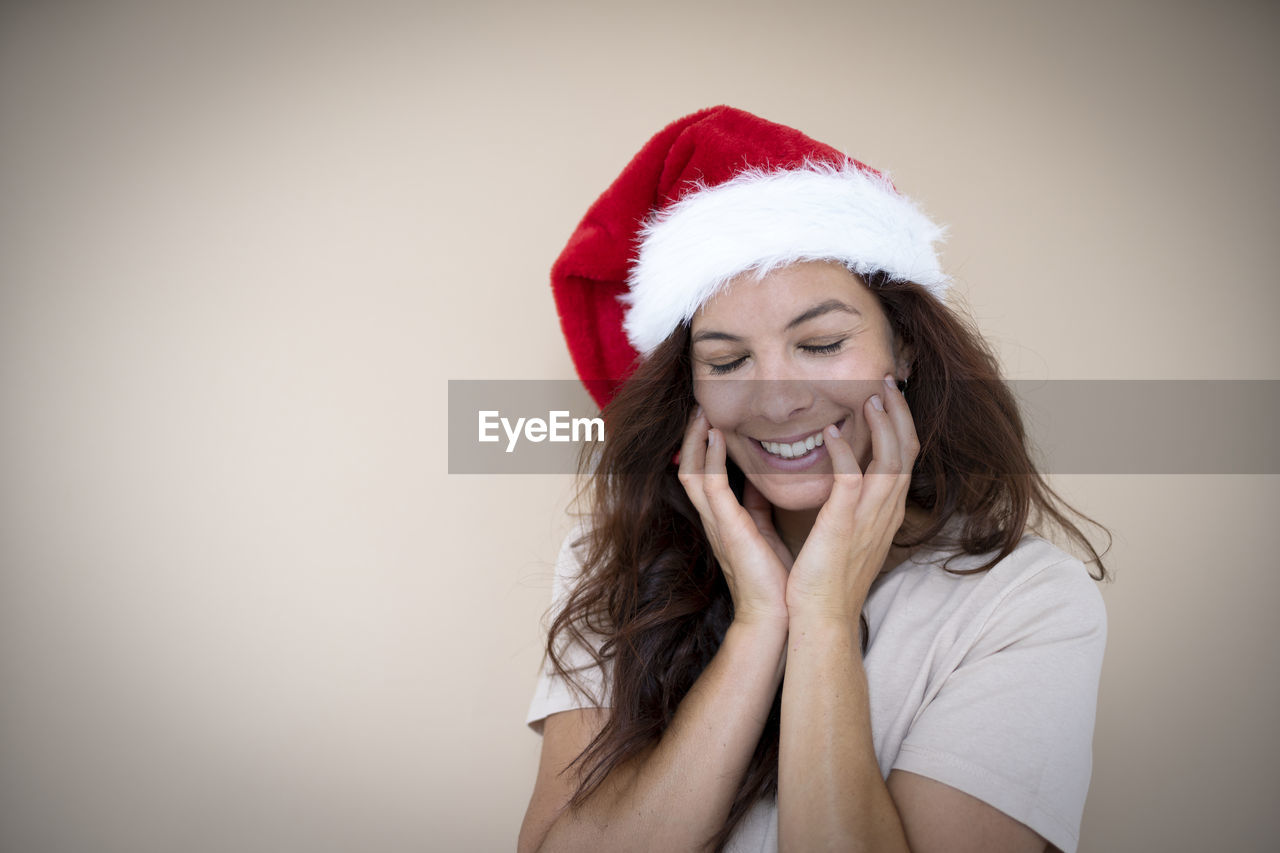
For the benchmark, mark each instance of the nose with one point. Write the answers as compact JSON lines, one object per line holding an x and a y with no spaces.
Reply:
{"x":781,"y":394}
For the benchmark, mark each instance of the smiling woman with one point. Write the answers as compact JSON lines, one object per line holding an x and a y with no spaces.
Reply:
{"x":832,"y":622}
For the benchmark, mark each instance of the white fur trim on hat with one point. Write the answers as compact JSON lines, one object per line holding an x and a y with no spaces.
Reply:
{"x":764,"y":220}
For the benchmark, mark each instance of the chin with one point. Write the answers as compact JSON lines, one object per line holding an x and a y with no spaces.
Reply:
{"x":794,"y":493}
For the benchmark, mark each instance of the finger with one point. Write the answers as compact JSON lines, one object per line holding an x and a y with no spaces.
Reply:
{"x":715,"y":469}
{"x":898,"y":416}
{"x":724,"y":504}
{"x":693,"y":455}
{"x":886,"y":452}
{"x":844,"y":465}
{"x":714,"y":464}
{"x":693,"y":450}
{"x":903,"y":423}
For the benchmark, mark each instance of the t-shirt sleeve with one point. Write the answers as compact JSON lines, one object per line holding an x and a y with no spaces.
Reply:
{"x":1013,"y":724}
{"x":553,"y":692}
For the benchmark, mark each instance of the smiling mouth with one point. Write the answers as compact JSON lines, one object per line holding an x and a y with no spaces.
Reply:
{"x":794,"y":449}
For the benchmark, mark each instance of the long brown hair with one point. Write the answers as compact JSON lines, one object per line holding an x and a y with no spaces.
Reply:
{"x":652,"y":605}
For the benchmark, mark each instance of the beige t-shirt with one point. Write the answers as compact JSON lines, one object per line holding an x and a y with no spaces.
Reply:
{"x":985,"y":682}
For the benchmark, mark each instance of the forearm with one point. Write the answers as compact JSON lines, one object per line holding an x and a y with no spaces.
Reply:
{"x":677,"y":795}
{"x":831,"y":795}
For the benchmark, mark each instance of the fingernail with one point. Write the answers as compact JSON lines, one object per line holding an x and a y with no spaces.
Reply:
{"x":832,"y":431}
{"x":890,"y":381}
{"x":877,"y":402}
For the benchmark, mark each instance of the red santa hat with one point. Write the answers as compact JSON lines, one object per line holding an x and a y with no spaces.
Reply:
{"x":711,"y":196}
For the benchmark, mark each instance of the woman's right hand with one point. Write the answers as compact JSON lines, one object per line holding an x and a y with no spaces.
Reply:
{"x":752,"y":556}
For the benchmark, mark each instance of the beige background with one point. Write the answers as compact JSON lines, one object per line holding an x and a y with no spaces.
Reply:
{"x":244,"y":245}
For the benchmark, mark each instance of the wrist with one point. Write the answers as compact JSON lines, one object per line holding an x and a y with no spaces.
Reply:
{"x":762,"y":639}
{"x":836,"y":607}
{"x":762,"y":621}
{"x":826,"y":622}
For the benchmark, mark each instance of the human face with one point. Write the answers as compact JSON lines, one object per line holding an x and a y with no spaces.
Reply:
{"x":817,"y":345}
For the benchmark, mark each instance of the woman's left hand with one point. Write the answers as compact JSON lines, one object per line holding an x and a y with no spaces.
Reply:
{"x":851,"y":537}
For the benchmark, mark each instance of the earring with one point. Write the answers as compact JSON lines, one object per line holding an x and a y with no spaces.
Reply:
{"x":902,"y":385}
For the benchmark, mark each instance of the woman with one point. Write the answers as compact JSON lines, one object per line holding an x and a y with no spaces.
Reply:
{"x":824,"y":622}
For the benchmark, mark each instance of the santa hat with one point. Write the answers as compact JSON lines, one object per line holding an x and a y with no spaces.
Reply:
{"x":711,"y":196}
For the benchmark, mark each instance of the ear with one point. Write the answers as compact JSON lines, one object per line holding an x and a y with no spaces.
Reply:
{"x":903,"y":356}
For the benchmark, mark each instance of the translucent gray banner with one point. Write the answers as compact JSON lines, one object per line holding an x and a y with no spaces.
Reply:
{"x":519,"y":426}
{"x":1076,"y":426}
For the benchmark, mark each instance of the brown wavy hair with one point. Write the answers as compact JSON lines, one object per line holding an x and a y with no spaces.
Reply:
{"x":652,"y":605}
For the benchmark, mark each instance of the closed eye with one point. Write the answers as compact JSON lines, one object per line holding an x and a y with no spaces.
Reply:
{"x":824,"y":349}
{"x":727,"y":367}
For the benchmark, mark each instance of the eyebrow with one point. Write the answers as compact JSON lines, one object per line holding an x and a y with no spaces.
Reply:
{"x":816,"y":311}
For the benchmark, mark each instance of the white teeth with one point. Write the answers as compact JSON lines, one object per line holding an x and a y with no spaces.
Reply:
{"x":791,"y":451}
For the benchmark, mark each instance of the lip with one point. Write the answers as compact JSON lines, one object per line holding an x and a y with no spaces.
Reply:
{"x":778,"y":463}
{"x":800,"y":436}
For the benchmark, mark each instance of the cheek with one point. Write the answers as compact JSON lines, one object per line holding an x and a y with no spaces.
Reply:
{"x":851,"y":393}
{"x":869,"y":363}
{"x":722,"y":400}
